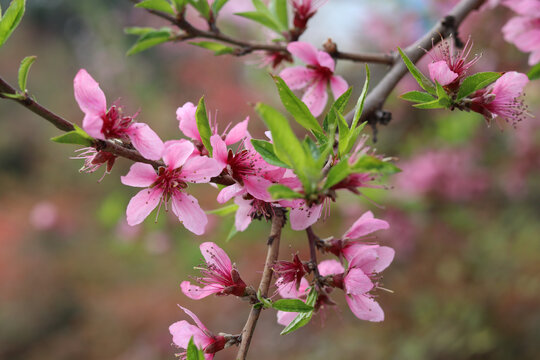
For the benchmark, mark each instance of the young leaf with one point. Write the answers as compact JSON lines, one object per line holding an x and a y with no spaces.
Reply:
{"x":444,"y":99}
{"x":417,"y":97}
{"x":343,"y":128}
{"x":217,"y":48}
{"x":267,"y":303}
{"x":137,"y":30}
{"x":361,"y":99}
{"x":291,"y":305}
{"x":24,"y":68}
{"x":217,"y":5}
{"x":232,"y":233}
{"x":202,"y":7}
{"x":337,"y":173}
{"x":149,"y":40}
{"x":179,"y":4}
{"x":279,"y":8}
{"x":534,"y":73}
{"x":422,"y":80}
{"x":262,"y":18}
{"x":296,"y":107}
{"x":339,"y":105}
{"x":279,"y":192}
{"x":224,"y":211}
{"x":303,"y":318}
{"x":193,"y":352}
{"x":435,"y":104}
{"x":77,"y":137}
{"x":203,"y":125}
{"x":14,"y":96}
{"x":11,"y":19}
{"x":476,"y":82}
{"x":266,"y":150}
{"x":368,"y":163}
{"x":158,"y":5}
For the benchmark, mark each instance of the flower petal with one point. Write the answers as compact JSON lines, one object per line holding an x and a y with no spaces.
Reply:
{"x":176,"y":153}
{"x":227,"y":193}
{"x":356,"y":282}
{"x":365,"y":225}
{"x":257,"y":187}
{"x":285,"y":318}
{"x":187,"y":208}
{"x":195,"y":319}
{"x":338,"y":86}
{"x":330,"y":267}
{"x":142,"y":204}
{"x":182,"y":332}
{"x":365,"y":308}
{"x":440,"y":72}
{"x":303,"y":216}
{"x":139,"y":175}
{"x":196,"y":292}
{"x":324,"y":59}
{"x":200,"y":169}
{"x":146,"y":141}
{"x":219,"y":150}
{"x":88,"y":94}
{"x":304,"y":51}
{"x":216,"y":256}
{"x":242,"y":218}
{"x":316,"y":97}
{"x":237,"y":133}
{"x":298,"y":77}
{"x":93,"y":124}
{"x":369,"y":258}
{"x":187,"y":121}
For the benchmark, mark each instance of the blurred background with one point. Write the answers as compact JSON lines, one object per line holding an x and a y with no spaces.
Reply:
{"x":77,"y":282}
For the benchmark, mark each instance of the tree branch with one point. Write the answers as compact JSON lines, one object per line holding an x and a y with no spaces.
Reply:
{"x":377,"y":97}
{"x":278,"y":221}
{"x":312,"y":238}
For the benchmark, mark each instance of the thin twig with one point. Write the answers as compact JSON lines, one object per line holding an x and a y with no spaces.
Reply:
{"x":278,"y":220}
{"x":312,"y":238}
{"x":377,"y":97}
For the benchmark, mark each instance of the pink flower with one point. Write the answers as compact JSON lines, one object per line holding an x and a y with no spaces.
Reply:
{"x":169,"y":184}
{"x":290,"y":292}
{"x":503,"y":98}
{"x":188,"y":125}
{"x":290,"y":273}
{"x":104,"y":124}
{"x":219,"y":276}
{"x":524,"y":30}
{"x":93,"y":160}
{"x":318,"y":74}
{"x":450,"y":67}
{"x":304,"y":10}
{"x":249,"y":209}
{"x":183,"y":331}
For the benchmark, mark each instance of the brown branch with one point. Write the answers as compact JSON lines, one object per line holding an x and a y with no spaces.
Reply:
{"x":312,"y":238}
{"x":377,"y":97}
{"x":278,"y":220}
{"x":245,"y":47}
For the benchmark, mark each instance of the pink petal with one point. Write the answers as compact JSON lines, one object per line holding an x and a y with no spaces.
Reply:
{"x":302,"y":216}
{"x":285,"y":318}
{"x":257,"y":187}
{"x":195,"y":319}
{"x":142,"y":204}
{"x":219,"y":150}
{"x":237,"y":133}
{"x":338,"y":86}
{"x":534,"y":58}
{"x":440,"y":72}
{"x":187,"y":208}
{"x":330,"y":267}
{"x":324,"y":59}
{"x":200,"y":169}
{"x":509,"y":86}
{"x":176,"y":153}
{"x":242,"y":218}
{"x":528,"y":41}
{"x":216,"y":256}
{"x":139,"y":175}
{"x":369,"y":258}
{"x":146,"y":141}
{"x":196,"y":293}
{"x":316,"y":97}
{"x":89,"y":96}
{"x":304,"y":51}
{"x":182,"y":332}
{"x":365,"y":225}
{"x":297,"y":77}
{"x":365,"y":308}
{"x":357,"y":283}
{"x":227,"y":193}
{"x":93,"y":124}
{"x":289,"y":291}
{"x":187,"y":121}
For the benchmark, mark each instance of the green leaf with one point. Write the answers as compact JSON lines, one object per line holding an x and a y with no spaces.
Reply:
{"x":291,"y":305}
{"x":422,"y":80}
{"x":224,"y":211}
{"x":279,"y":8}
{"x":192,"y":352}
{"x":179,"y":4}
{"x":279,"y":192}
{"x":217,"y":5}
{"x":265,"y":19}
{"x":267,"y":303}
{"x":369,"y":163}
{"x":14,"y":96}
{"x":361,"y":99}
{"x":149,"y":40}
{"x":24,"y":68}
{"x":77,"y":137}
{"x":303,"y":318}
{"x":337,"y":173}
{"x":476,"y":82}
{"x":343,"y":128}
{"x":217,"y":48}
{"x":157,"y":5}
{"x":231,"y":233}
{"x":202,"y":7}
{"x":417,"y":97}
{"x":203,"y":125}
{"x":444,"y":99}
{"x":339,"y":106}
{"x":435,"y":104}
{"x":266,"y":150}
{"x":296,"y":107}
{"x":137,"y":30}
{"x":11,"y":19}
{"x":534,"y":73}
